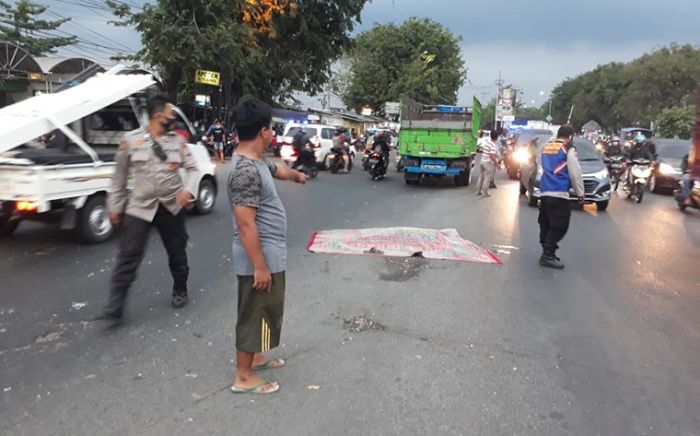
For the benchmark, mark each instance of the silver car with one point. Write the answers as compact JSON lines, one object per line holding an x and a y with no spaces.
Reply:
{"x":596,"y":180}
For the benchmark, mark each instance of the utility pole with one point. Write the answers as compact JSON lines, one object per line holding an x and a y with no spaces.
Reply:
{"x":499,"y":85}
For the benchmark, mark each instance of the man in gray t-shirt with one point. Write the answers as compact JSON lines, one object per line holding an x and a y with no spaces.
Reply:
{"x":259,"y":246}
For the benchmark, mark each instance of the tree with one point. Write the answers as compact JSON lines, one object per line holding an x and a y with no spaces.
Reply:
{"x":618,"y":94}
{"x":676,"y":121}
{"x":270,"y":48}
{"x":420,"y":58}
{"x":21,"y":25}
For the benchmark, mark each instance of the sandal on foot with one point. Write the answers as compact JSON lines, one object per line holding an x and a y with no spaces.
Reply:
{"x":270,"y":364}
{"x":255,"y":389}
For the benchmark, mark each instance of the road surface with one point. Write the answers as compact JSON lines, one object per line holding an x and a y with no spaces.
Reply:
{"x":607,"y":347}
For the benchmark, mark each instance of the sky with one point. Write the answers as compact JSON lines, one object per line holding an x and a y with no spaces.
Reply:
{"x":535,"y":44}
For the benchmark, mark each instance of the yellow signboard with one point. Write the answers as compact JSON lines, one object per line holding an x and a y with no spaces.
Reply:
{"x":35,"y":76}
{"x":208,"y":77}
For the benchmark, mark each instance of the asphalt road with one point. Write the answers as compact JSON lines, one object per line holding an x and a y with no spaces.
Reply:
{"x":607,"y":347}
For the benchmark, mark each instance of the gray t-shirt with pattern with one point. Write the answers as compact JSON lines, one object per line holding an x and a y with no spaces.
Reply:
{"x":251,"y":184}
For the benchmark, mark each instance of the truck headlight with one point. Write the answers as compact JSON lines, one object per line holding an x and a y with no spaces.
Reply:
{"x":667,"y":169}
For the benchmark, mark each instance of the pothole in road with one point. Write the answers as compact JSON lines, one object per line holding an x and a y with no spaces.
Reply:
{"x":361,"y":323}
{"x":401,"y":269}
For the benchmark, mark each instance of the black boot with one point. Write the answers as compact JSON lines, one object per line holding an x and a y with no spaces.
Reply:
{"x":180,"y":300}
{"x":114,"y":309}
{"x":550,"y":260}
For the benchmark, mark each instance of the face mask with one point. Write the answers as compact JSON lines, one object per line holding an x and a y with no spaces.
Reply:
{"x":168,"y":125}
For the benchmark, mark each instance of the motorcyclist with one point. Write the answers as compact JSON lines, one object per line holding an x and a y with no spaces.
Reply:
{"x":339,"y":146}
{"x":641,"y":149}
{"x":685,"y":180}
{"x":614,"y":148}
{"x":301,"y":141}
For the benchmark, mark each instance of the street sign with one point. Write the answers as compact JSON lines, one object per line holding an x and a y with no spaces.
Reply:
{"x":392,"y":108}
{"x":367,"y":110}
{"x":208,"y":77}
{"x":548,"y":118}
{"x":508,"y":118}
{"x":201,"y":100}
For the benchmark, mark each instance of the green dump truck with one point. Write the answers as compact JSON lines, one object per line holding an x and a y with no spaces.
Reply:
{"x":438,"y":141}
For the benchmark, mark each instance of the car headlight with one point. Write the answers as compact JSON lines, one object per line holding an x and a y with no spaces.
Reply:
{"x":602,"y":174}
{"x":521,"y":156}
{"x":667,"y":169}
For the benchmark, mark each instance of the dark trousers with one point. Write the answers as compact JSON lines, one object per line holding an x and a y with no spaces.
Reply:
{"x":132,"y":246}
{"x":555,"y":215}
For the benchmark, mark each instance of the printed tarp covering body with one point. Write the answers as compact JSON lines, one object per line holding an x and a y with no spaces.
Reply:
{"x":401,"y":242}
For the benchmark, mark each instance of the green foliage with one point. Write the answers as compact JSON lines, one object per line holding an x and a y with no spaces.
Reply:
{"x":618,"y":95}
{"x":676,"y":121}
{"x":420,"y":58}
{"x":293,"y":54}
{"x":21,"y":25}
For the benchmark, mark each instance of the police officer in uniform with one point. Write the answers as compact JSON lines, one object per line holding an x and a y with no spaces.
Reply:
{"x":158,"y":199}
{"x":561,"y":172}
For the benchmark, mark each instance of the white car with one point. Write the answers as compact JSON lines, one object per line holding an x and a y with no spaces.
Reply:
{"x":321,"y":140}
{"x":73,"y":183}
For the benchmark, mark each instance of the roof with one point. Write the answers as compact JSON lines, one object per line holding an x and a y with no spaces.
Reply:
{"x":15,"y":59}
{"x":591,"y":126}
{"x":36,"y":116}
{"x":58,"y":65}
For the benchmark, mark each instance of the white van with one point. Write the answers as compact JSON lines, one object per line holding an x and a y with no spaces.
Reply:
{"x":321,"y":139}
{"x":70,"y":183}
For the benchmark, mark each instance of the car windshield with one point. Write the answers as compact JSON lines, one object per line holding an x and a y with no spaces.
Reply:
{"x":310,"y":131}
{"x":672,"y":149}
{"x":525,"y":137}
{"x":585,"y":150}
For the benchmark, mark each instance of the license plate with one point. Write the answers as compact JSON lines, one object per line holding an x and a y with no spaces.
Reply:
{"x":433,"y":167}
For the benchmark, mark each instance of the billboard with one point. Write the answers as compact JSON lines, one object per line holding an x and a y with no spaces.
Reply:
{"x":208,"y":77}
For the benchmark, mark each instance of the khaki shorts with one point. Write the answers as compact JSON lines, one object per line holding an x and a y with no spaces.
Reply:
{"x":259,"y":325}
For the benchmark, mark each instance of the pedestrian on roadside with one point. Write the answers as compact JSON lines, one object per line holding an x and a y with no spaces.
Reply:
{"x":561,"y":172}
{"x":259,"y":246}
{"x":158,"y":199}
{"x":218,"y":136}
{"x":489,"y":158}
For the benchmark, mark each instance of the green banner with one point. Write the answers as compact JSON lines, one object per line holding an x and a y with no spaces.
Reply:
{"x":476,"y":119}
{"x":13,"y":86}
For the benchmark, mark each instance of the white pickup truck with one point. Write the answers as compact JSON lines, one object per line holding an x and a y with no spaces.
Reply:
{"x":69,"y":183}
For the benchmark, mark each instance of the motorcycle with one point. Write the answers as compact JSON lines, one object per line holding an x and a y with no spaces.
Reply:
{"x":306,"y":162}
{"x":616,"y":165}
{"x":378,"y":163}
{"x":358,"y":144}
{"x":694,"y":197}
{"x":365,"y":158}
{"x":336,"y":162}
{"x":636,"y":181}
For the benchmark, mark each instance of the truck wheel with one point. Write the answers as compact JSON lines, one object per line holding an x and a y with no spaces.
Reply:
{"x":93,"y":221}
{"x":8,"y":227}
{"x":410,"y":180}
{"x":467,"y":174}
{"x":206,"y":198}
{"x":603,"y":205}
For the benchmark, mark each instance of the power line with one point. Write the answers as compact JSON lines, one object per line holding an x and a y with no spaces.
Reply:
{"x":80,"y":26}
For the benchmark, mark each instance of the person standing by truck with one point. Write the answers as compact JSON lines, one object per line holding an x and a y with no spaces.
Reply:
{"x":489,"y":158}
{"x":158,"y":199}
{"x":561,"y":172}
